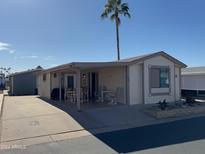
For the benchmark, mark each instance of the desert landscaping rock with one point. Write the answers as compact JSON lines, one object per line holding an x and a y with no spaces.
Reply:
{"x":175,"y":112}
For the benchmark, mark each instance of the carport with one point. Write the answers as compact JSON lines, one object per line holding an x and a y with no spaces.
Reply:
{"x":86,"y":82}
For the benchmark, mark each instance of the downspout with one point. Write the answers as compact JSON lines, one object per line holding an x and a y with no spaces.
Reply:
{"x":174,"y":84}
{"x":180,"y":84}
{"x":143,"y":99}
{"x":60,"y":87}
{"x":50,"y":84}
{"x":78,"y":90}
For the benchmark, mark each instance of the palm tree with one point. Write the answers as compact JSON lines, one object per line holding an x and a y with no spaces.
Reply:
{"x":5,"y":70}
{"x":114,"y":9}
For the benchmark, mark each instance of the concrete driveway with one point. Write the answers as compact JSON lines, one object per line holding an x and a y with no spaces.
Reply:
{"x":29,"y":121}
{"x":28,"y":117}
{"x":178,"y":137}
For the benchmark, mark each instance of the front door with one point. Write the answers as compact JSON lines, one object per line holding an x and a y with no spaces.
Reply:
{"x":93,"y":85}
{"x":70,"y":82}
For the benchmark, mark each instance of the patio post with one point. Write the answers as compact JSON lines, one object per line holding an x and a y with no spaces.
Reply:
{"x":78,"y":90}
{"x":60,"y":87}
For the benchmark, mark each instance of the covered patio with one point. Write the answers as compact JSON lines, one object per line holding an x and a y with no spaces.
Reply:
{"x":88,"y":84}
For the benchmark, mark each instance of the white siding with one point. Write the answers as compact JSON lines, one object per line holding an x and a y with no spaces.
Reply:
{"x":44,"y":88}
{"x":135,"y":84}
{"x":113,"y":78}
{"x":193,"y":82}
{"x":148,"y":97}
{"x":54,"y":81}
{"x":177,"y":83}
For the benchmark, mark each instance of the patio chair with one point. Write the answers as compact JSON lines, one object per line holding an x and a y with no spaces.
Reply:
{"x":84,"y":95}
{"x":70,"y":95}
{"x":110,"y":98}
{"x":98,"y":97}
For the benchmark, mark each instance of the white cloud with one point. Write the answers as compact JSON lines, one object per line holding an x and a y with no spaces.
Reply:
{"x":26,"y":57}
{"x":11,"y":51}
{"x":32,"y":57}
{"x":49,"y":58}
{"x":53,"y":65}
{"x":5,"y":47}
{"x":29,"y":57}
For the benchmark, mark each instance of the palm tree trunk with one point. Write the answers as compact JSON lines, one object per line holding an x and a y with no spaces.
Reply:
{"x":118,"y":40}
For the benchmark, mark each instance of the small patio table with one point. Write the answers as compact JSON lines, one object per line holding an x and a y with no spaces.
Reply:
{"x":103,"y":92}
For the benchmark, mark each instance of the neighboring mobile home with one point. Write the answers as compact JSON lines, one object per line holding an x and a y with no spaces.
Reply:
{"x":193,"y":81}
{"x":24,"y":83}
{"x":144,"y":79}
{"x":2,"y":81}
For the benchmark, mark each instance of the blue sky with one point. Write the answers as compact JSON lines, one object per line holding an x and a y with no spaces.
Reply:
{"x":52,"y":32}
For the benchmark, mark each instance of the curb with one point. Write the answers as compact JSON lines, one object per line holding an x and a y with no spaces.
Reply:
{"x":1,"y":104}
{"x":1,"y":112}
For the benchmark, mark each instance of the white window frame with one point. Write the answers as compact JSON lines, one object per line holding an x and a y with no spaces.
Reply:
{"x":65,"y":80}
{"x":160,"y":90}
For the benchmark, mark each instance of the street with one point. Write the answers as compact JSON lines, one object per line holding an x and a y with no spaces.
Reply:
{"x":183,"y":137}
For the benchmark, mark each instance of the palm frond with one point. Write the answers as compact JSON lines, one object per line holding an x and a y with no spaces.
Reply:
{"x":116,"y":7}
{"x":104,"y":15}
{"x":113,"y":17}
{"x":119,"y":2}
{"x":111,"y":3}
{"x":127,"y":14}
{"x":118,"y":21}
{"x":125,"y":5}
{"x":125,"y":10}
{"x":108,"y":8}
{"x":106,"y":12}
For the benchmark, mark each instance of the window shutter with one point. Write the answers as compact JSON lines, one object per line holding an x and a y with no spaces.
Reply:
{"x":154,"y":78}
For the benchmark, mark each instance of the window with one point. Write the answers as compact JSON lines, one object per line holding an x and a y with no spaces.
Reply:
{"x":164,"y":78}
{"x":70,"y":82}
{"x":44,"y":77}
{"x":54,"y":75}
{"x":159,"y":77}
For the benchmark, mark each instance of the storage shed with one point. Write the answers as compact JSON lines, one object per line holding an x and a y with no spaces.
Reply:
{"x":24,"y":83}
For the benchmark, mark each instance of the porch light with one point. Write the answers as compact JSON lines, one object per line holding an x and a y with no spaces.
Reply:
{"x":84,"y":75}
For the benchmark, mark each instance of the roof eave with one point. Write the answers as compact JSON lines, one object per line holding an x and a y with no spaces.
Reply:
{"x":162,"y":53}
{"x":87,"y":65}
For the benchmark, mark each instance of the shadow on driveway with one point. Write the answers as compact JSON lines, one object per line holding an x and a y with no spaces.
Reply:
{"x":153,"y":136}
{"x":146,"y":137}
